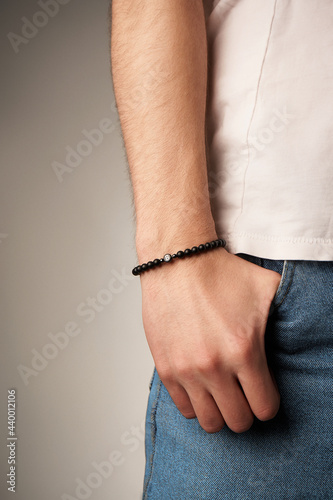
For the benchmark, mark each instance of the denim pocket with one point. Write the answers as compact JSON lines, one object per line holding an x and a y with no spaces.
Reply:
{"x":283,"y":277}
{"x":285,"y":283}
{"x":283,"y":267}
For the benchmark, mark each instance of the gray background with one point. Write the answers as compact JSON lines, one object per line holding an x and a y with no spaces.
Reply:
{"x":61,"y":243}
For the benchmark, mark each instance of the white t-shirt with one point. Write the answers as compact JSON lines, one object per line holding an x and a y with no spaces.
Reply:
{"x":270,"y":126}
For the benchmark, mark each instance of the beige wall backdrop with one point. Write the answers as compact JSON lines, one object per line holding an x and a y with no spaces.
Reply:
{"x":72,"y":342}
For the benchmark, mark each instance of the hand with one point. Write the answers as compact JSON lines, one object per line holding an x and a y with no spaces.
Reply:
{"x":205,"y":319}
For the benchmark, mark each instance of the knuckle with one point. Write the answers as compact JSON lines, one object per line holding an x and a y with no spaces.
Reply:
{"x":165,"y":373}
{"x":242,"y":353}
{"x":211,"y":427}
{"x":212,"y":424}
{"x":241,"y":426}
{"x":267,"y":412}
{"x":187,"y":413}
{"x":183,"y":370}
{"x":208,"y":364}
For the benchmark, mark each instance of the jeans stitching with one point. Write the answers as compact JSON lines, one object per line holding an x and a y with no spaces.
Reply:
{"x":282,"y":280}
{"x":285,"y":275}
{"x":153,"y":437}
{"x":152,"y":379}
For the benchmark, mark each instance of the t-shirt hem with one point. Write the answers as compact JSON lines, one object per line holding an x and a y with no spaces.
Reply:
{"x":279,"y":247}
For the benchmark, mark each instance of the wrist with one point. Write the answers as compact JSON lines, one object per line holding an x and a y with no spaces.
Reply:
{"x":156,"y":241}
{"x":181,"y":254}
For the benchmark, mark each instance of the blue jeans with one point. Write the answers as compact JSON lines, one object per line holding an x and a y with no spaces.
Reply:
{"x":288,"y":457}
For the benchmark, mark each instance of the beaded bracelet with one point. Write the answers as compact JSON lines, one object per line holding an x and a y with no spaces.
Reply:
{"x":180,"y":255}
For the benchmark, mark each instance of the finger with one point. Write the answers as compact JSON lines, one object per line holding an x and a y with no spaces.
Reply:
{"x":207,"y":411}
{"x":233,"y":405}
{"x":181,"y":400}
{"x":260,"y":391}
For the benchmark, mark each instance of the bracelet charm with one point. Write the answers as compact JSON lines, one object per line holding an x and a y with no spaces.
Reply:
{"x":181,"y":254}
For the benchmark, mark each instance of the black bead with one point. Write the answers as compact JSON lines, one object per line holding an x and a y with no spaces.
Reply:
{"x":174,"y":255}
{"x":194,"y":249}
{"x":150,"y":264}
{"x":144,"y":267}
{"x":201,"y":248}
{"x":157,"y":262}
{"x":208,"y":246}
{"x":135,"y":271}
{"x":180,"y":254}
{"x":139,"y":269}
{"x":187,"y":251}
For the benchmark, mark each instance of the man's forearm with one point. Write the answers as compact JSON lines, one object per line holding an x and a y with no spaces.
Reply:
{"x":159,"y":68}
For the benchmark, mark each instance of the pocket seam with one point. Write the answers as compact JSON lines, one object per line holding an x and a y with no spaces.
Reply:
{"x":287,"y":272}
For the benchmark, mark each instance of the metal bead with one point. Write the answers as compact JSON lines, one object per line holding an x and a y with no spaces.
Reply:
{"x":167,"y":257}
